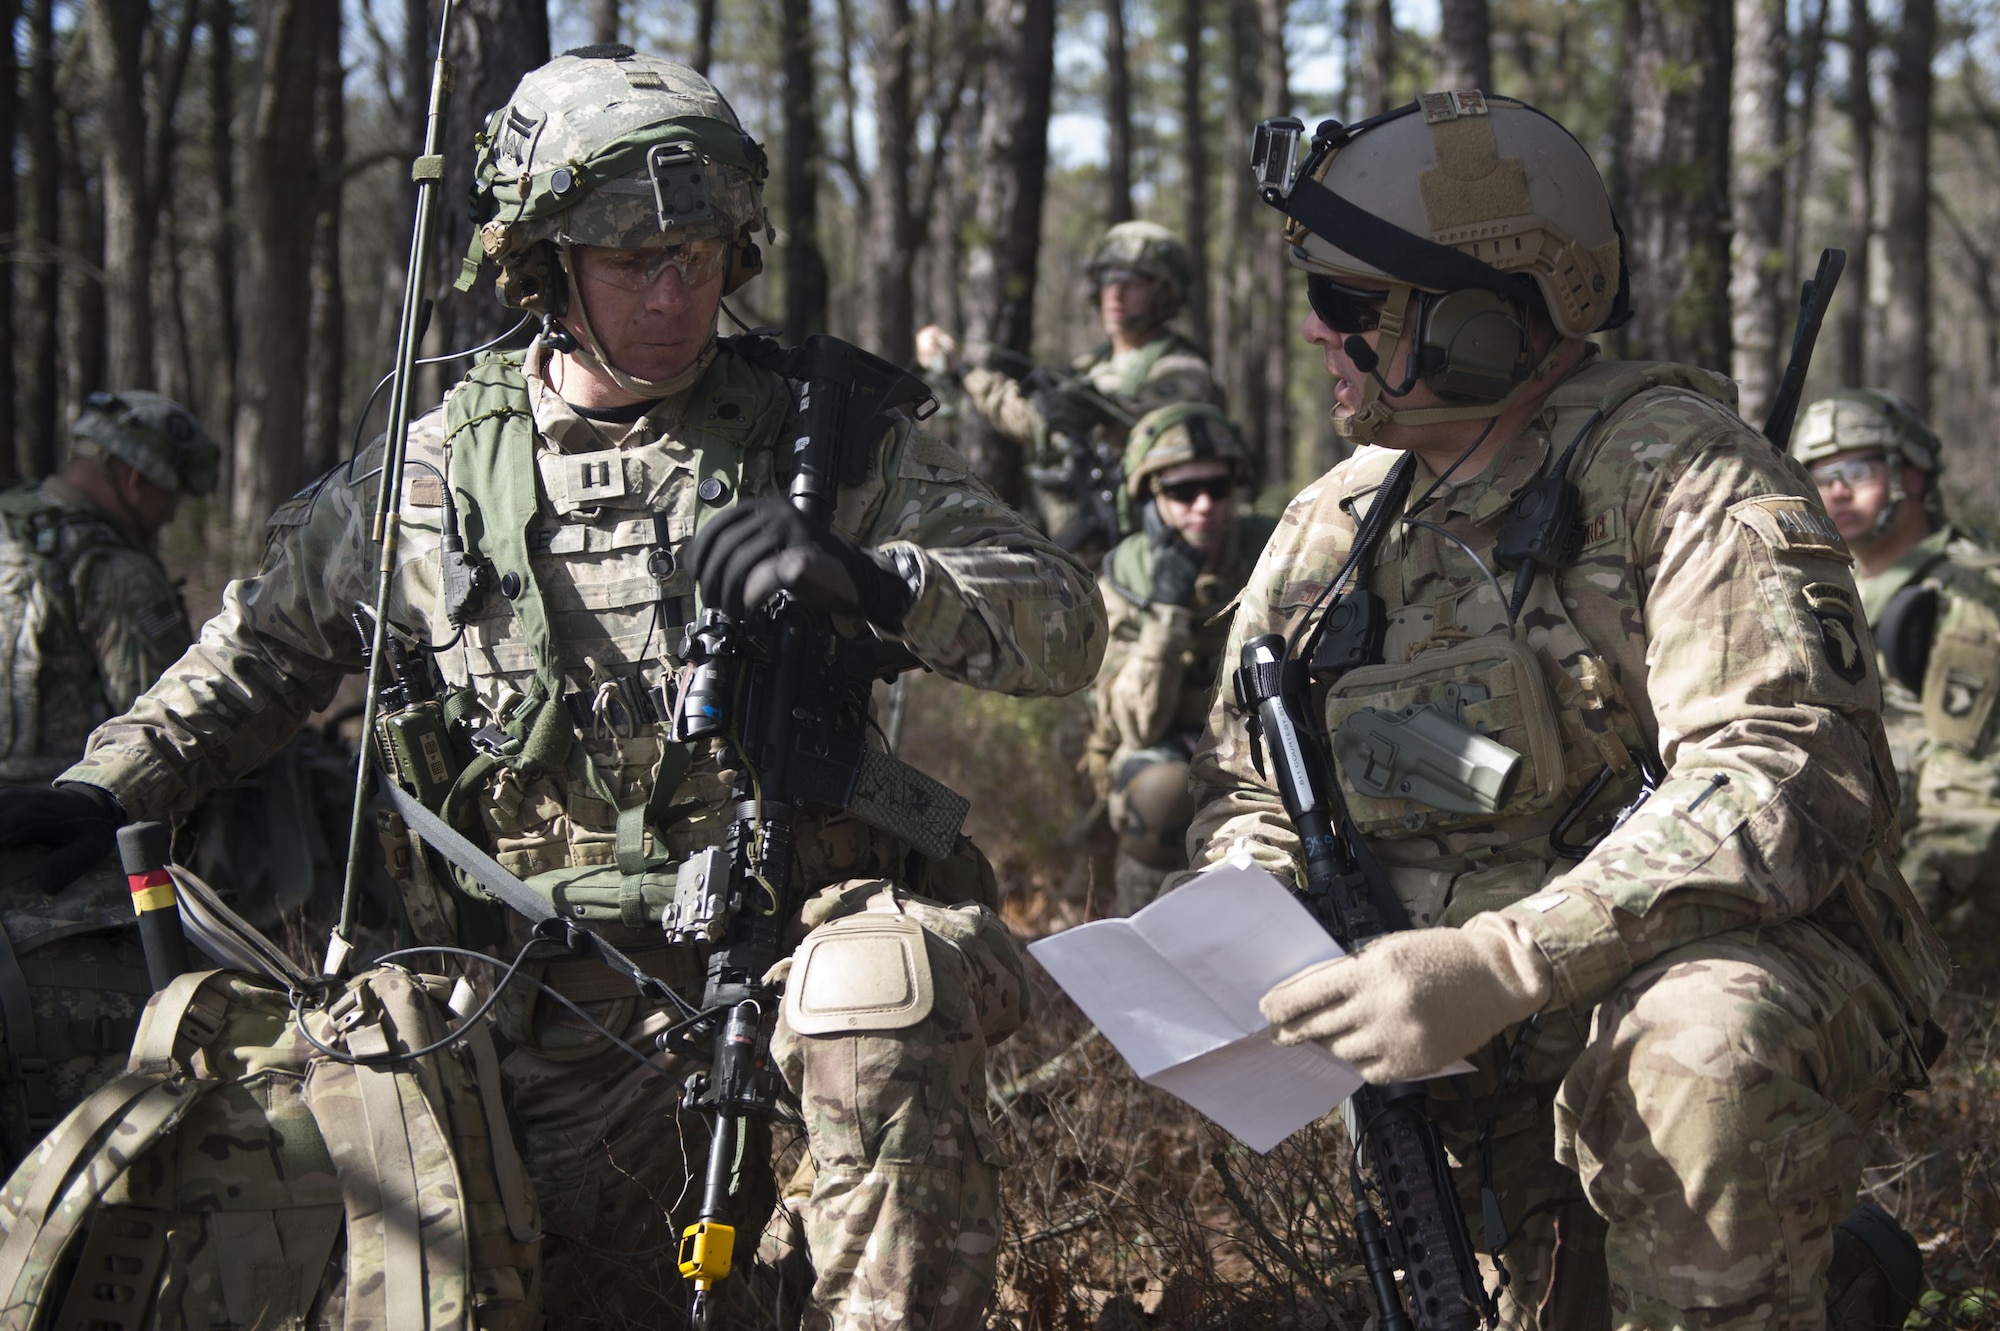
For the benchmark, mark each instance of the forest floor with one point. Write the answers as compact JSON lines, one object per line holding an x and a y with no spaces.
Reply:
{"x":1126,"y":1210}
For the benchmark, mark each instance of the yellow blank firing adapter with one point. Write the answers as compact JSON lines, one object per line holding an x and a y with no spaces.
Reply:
{"x":706,"y":1247}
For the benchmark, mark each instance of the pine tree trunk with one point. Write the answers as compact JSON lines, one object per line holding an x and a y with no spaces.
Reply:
{"x":1117,"y":117}
{"x":704,"y":37}
{"x":1238,"y":359}
{"x":604,"y":21}
{"x":1379,"y":71}
{"x":1007,"y":221}
{"x":1758,"y":135}
{"x":115,"y":32}
{"x":39,"y":329}
{"x":1906,"y":367}
{"x":1465,"y":44}
{"x":222,"y":244}
{"x":1860,"y":199}
{"x":326,"y":388}
{"x":9,"y":225}
{"x":1272,"y":332}
{"x":270,"y":413}
{"x":1194,"y":170}
{"x":805,"y":268}
{"x":87,"y":354}
{"x":1676,"y":168}
{"x":891,"y":237}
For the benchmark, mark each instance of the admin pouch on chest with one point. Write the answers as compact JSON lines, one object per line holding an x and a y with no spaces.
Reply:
{"x":51,"y":681}
{"x":236,"y":1176}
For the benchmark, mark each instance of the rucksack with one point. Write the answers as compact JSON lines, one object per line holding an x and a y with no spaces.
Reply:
{"x":235,"y":1175}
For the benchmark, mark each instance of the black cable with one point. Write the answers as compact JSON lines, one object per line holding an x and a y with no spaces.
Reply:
{"x":450,"y":1038}
{"x":354,"y":445}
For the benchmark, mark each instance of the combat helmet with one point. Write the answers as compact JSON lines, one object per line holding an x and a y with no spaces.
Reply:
{"x":154,"y":435}
{"x":1149,"y":249}
{"x":1181,"y":432}
{"x":605,"y":146}
{"x":1483,"y":207}
{"x":1874,"y":419}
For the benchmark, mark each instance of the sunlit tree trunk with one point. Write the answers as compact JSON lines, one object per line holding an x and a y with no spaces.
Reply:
{"x":1906,"y":359}
{"x":1758,"y":149}
{"x":115,"y":32}
{"x":1194,"y":169}
{"x":892,"y":236}
{"x":1273,"y":324}
{"x":1007,"y":220}
{"x":1860,"y":196}
{"x":1676,"y":172}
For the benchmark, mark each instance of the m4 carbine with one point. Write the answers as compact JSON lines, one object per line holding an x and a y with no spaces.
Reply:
{"x":1091,"y":470}
{"x":1425,"y":1235}
{"x":791,"y":696}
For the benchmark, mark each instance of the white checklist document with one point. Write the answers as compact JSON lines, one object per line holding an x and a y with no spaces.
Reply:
{"x":1175,"y":990}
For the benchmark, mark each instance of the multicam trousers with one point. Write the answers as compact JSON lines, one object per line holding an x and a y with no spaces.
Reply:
{"x":897,"y":1212}
{"x":1687,"y":1158}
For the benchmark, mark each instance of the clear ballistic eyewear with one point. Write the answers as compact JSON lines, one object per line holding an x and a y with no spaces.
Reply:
{"x":697,"y":261}
{"x":1850,"y":472}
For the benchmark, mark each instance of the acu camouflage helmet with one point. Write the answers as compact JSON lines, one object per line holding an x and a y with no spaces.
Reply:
{"x":604,"y":146}
{"x":1178,"y":433}
{"x":154,"y":435}
{"x":1149,"y":249}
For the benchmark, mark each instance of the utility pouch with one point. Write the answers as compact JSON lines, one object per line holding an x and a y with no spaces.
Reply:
{"x":1461,"y":735}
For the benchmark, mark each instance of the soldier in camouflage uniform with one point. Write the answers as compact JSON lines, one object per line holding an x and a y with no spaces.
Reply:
{"x":1734,"y":979}
{"x":1931,"y":591}
{"x":624,"y":200}
{"x":1139,"y":274}
{"x":92,"y":619}
{"x":1187,"y":474}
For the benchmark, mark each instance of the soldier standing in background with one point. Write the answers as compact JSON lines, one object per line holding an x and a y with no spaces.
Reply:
{"x":1139,"y":274}
{"x":1188,"y":476}
{"x":627,"y":461}
{"x":91,"y":619}
{"x":1931,"y":591}
{"x":1732,"y":979}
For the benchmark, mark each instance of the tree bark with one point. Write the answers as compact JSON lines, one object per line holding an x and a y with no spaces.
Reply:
{"x":277,"y":289}
{"x":1676,"y":170}
{"x":1194,"y":157}
{"x":327,"y":362}
{"x":1758,"y":134}
{"x":1465,"y":44}
{"x":115,"y":31}
{"x":604,"y":21}
{"x":704,"y":36}
{"x":9,"y":227}
{"x":1379,"y":67}
{"x":222,"y":243}
{"x":1907,"y":323}
{"x":87,"y":352}
{"x":1860,"y":198}
{"x":1244,"y":234}
{"x":39,"y":329}
{"x":492,"y":44}
{"x":892,"y":326}
{"x":805,"y":268}
{"x":1273,"y":326}
{"x":1013,"y":151}
{"x":1117,"y":117}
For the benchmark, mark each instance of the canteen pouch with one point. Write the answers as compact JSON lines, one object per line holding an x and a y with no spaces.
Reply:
{"x":1462,"y":735}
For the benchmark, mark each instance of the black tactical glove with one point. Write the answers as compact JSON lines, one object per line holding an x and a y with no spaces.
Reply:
{"x":744,"y":556}
{"x":1176,"y":565}
{"x":78,"y":823}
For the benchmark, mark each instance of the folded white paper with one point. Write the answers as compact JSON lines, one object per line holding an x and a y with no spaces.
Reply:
{"x":1175,"y":990}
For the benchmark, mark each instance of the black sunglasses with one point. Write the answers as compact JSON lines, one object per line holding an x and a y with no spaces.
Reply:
{"x":1186,"y":492}
{"x":1344,"y":309}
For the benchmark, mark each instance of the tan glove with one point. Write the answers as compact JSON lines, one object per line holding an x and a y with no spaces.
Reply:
{"x":1412,"y":1002}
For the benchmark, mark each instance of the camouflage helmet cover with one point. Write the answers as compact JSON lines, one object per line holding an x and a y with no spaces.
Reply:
{"x":1149,"y":249}
{"x":1866,"y":418}
{"x":1460,"y":173}
{"x":605,"y":146}
{"x":1182,"y":432}
{"x":154,"y":435}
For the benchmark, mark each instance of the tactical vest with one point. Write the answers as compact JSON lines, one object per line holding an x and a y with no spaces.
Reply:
{"x":53,"y":688}
{"x":1545,"y":692}
{"x":235,"y":1175}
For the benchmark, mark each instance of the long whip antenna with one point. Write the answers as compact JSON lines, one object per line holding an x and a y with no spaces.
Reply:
{"x":427,"y":171}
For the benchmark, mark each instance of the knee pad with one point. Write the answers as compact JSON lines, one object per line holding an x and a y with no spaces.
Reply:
{"x":865,"y":972}
{"x":1151,"y":810}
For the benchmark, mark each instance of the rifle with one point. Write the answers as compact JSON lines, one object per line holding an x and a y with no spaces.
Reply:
{"x":1091,"y":472}
{"x":791,"y":696}
{"x":1814,"y":297}
{"x":1426,"y":1235}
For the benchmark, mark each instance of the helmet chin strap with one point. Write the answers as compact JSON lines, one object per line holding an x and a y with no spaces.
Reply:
{"x":588,"y":351}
